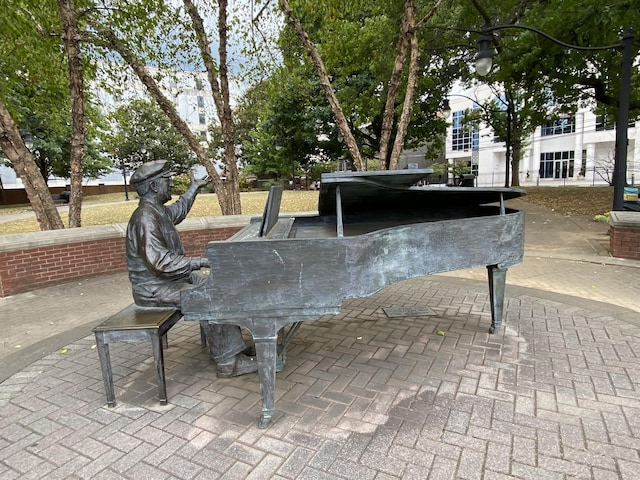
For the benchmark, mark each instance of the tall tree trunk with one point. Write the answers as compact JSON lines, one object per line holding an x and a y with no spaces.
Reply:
{"x":26,"y":168}
{"x":394,"y":83}
{"x":74,"y":60}
{"x":114,"y":42}
{"x":408,"y":29}
{"x":316,"y":59}
{"x":516,"y":152}
{"x":412,"y":81}
{"x":221,"y":95}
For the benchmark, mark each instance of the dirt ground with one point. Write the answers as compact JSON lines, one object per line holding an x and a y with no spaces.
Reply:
{"x":572,"y":200}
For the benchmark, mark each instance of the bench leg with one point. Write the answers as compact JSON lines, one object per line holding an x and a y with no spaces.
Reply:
{"x":203,"y":336}
{"x":158,"y":359}
{"x":105,"y":365}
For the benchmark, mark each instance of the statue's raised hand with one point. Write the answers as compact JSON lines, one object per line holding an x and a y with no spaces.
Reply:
{"x":199,"y":183}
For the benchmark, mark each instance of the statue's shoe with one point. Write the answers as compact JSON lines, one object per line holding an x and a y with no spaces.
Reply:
{"x":242,"y":364}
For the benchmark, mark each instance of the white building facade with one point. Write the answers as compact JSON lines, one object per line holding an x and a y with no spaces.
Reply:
{"x":577,"y":150}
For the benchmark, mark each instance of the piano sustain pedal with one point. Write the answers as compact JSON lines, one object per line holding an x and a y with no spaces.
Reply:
{"x":395,"y":312}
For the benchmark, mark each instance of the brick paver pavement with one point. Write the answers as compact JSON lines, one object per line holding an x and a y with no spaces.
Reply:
{"x":363,"y":396}
{"x":554,"y":395}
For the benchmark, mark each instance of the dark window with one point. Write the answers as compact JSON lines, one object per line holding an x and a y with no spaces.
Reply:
{"x":559,"y":126}
{"x":463,"y":137}
{"x":557,"y":165}
{"x":608,"y":122}
{"x":201,"y":116}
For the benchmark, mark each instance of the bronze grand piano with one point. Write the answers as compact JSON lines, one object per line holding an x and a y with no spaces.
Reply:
{"x":373,"y":229}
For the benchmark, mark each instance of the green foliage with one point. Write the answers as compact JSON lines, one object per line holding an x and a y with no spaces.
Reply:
{"x":35,"y":87}
{"x":32,"y":62}
{"x":141,"y":132}
{"x":180,"y":184}
{"x":357,"y":43}
{"x":51,"y":148}
{"x":586,"y":23}
{"x":281,"y":126}
{"x":460,"y":167}
{"x":538,"y":79}
{"x":319,"y":168}
{"x":544,"y":74}
{"x":438,"y":168}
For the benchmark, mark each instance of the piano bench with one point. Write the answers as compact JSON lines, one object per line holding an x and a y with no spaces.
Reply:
{"x":131,"y":325}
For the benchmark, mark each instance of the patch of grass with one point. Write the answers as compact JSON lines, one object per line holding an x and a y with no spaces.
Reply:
{"x":112,"y":208}
{"x":108,"y":198}
{"x":14,"y":209}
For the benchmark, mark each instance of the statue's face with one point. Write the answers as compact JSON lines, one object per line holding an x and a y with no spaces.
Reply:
{"x":163,"y":186}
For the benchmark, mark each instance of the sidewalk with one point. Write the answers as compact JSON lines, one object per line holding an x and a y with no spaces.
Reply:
{"x":554,"y":395}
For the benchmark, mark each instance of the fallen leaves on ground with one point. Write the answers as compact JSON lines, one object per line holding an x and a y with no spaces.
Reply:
{"x":572,"y":201}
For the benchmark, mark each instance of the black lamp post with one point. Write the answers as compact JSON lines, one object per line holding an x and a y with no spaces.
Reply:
{"x":484,"y":60}
{"x":293,"y":174}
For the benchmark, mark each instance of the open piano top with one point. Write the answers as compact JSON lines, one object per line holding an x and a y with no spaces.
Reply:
{"x":353,"y":203}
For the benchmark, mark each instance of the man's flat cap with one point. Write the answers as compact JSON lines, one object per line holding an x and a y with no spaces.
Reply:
{"x":151,"y":170}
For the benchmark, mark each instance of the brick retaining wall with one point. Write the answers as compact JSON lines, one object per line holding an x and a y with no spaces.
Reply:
{"x":624,"y":235}
{"x":35,"y":260}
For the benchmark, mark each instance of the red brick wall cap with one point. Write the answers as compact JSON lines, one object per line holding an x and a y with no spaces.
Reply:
{"x":11,"y":243}
{"x":624,"y":219}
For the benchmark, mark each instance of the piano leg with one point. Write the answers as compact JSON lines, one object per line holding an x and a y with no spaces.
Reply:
{"x":497,"y":281}
{"x":266,"y":351}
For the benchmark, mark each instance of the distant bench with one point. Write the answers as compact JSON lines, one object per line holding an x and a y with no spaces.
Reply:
{"x":60,"y":198}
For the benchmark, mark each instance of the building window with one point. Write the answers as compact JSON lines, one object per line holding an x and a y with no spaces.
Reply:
{"x":201,"y":116}
{"x":607,"y":122}
{"x":603,"y":122}
{"x":583,"y":165}
{"x":559,"y":126}
{"x":198,"y":83}
{"x":556,"y":165}
{"x":464,"y":137}
{"x":473,"y":167}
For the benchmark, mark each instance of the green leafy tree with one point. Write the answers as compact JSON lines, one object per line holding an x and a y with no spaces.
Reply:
{"x":142,"y":132}
{"x":169,"y":36}
{"x":369,"y":58}
{"x":32,"y":82}
{"x":43,"y":89}
{"x":49,"y":143}
{"x":292,"y":128}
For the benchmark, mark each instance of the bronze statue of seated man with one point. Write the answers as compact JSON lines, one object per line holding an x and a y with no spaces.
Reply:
{"x":158,"y":268}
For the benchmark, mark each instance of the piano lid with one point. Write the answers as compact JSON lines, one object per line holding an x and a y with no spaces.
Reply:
{"x":393,"y":189}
